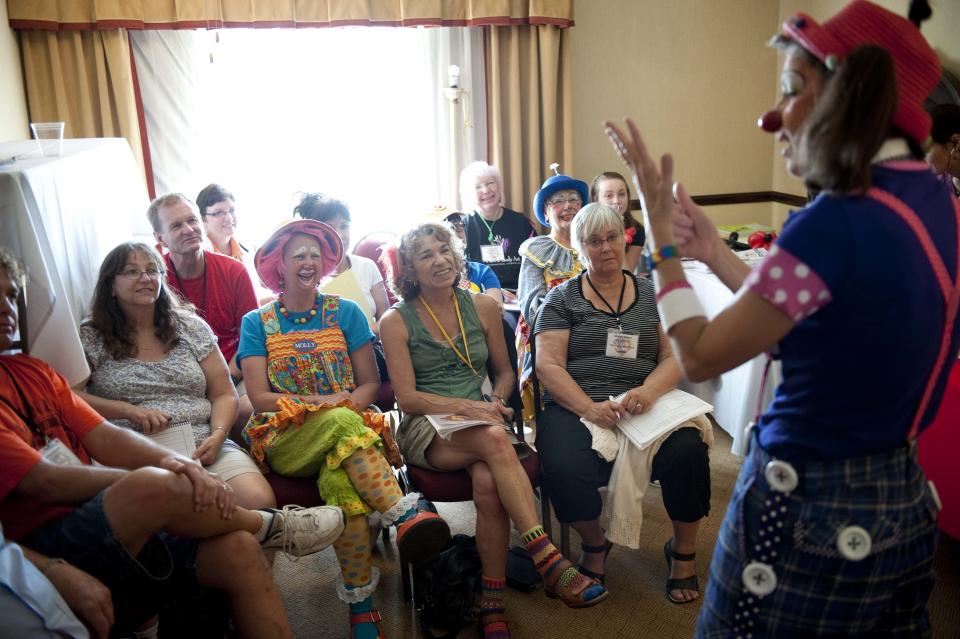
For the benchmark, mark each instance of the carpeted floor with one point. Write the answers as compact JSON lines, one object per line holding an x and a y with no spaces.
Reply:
{"x":636,"y":607}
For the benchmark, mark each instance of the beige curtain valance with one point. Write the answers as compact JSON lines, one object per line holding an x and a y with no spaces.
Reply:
{"x":85,"y":15}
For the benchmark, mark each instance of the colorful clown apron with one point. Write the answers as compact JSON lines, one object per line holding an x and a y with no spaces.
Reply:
{"x":302,"y":439}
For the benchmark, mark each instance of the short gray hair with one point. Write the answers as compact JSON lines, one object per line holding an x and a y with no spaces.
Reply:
{"x":589,"y":220}
{"x":468,"y":183}
{"x":153,"y":213}
{"x":13,"y":267}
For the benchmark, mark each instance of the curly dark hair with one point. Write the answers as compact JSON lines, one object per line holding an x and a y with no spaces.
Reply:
{"x":108,"y":318}
{"x":402,"y":281}
{"x":321,"y":207}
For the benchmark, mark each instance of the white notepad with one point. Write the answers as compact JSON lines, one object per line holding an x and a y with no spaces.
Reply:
{"x":177,"y":437}
{"x":668,"y":412}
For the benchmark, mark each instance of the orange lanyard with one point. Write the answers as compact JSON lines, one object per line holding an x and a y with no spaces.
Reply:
{"x":466,"y":346}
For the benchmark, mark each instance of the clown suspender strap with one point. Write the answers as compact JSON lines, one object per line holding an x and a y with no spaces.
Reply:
{"x":950,"y":290}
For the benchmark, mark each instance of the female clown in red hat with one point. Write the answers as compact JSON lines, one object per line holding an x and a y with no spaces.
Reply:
{"x":831,"y":528}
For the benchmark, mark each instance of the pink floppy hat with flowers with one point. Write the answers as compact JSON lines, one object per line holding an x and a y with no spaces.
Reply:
{"x":269,"y":258}
{"x":860,"y":23}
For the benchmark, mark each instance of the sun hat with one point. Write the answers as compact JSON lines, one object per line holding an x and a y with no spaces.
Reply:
{"x":269,"y":258}
{"x":441,"y":213}
{"x":553,"y":184}
{"x":860,"y":23}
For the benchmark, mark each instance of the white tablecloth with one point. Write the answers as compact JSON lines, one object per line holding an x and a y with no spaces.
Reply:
{"x":734,"y":394}
{"x":61,"y":216}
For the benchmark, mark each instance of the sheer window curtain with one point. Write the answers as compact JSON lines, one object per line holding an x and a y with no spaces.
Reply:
{"x":358,"y":113}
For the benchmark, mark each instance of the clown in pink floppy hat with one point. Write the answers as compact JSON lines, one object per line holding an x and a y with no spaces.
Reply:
{"x":270,"y":258}
{"x":832,"y":526}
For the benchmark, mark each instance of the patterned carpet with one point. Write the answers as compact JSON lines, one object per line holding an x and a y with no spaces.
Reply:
{"x":636,"y":607}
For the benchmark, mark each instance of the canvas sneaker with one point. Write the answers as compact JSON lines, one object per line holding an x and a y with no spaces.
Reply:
{"x":300,"y":531}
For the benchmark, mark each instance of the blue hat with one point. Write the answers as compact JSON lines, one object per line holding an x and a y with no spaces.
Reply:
{"x":553,"y":184}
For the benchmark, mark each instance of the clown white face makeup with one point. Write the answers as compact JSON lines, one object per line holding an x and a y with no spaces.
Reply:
{"x":801,"y":84}
{"x":302,"y":263}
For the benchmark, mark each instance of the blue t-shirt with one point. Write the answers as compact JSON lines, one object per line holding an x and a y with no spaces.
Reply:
{"x":253,"y":339}
{"x":855,"y":370}
{"x":482,"y":276}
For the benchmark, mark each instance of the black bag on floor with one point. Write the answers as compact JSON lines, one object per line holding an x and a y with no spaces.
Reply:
{"x":448,"y":588}
{"x":522,"y":574}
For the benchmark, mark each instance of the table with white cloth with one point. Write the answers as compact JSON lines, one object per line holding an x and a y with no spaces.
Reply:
{"x":734,"y":394}
{"x":61,"y":216}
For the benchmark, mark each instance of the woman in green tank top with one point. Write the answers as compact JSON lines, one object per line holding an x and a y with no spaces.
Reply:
{"x":438,"y":341}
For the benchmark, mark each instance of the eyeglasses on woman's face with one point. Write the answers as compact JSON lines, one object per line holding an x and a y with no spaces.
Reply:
{"x":563,"y":201}
{"x":133,"y":273}
{"x":218,"y":213}
{"x":596,"y":242}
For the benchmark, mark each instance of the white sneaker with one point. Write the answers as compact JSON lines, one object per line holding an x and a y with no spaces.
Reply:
{"x":300,"y":531}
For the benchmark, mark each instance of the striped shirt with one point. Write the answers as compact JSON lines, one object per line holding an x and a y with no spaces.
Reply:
{"x":599,"y":376}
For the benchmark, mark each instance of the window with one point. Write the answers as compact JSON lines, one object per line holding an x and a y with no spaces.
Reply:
{"x":357,"y":113}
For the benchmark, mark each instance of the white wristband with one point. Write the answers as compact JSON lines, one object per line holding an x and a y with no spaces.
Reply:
{"x":679,"y":305}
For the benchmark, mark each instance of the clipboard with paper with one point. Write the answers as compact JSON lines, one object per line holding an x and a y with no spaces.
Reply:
{"x":177,"y":437}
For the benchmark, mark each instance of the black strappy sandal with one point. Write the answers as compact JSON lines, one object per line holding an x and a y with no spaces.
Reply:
{"x":684,"y":583}
{"x":605,"y":549}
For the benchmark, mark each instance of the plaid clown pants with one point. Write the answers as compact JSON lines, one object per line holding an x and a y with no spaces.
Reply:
{"x":819,"y":591}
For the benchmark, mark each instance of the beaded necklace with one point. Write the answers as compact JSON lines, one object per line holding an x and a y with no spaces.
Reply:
{"x":300,"y":320}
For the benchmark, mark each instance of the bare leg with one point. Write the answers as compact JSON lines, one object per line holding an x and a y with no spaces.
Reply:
{"x":253,"y":491}
{"x":684,"y":541}
{"x":151,"y":499}
{"x":490,"y":445}
{"x":592,"y":535}
{"x":233,"y":563}
{"x":493,"y":536}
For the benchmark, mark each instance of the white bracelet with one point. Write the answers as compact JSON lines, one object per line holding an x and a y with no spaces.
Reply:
{"x":679,"y":305}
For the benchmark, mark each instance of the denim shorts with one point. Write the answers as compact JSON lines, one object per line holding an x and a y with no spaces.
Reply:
{"x":164,"y":571}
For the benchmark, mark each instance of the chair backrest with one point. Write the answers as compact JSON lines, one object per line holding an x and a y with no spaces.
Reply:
{"x":23,"y":343}
{"x":371,"y":247}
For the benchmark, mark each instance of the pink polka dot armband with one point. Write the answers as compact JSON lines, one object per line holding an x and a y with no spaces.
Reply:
{"x":789,"y":284}
{"x":677,"y":303}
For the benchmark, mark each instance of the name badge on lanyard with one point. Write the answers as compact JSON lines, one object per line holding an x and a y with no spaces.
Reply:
{"x":492,"y":253}
{"x":57,"y":453}
{"x":622,"y":344}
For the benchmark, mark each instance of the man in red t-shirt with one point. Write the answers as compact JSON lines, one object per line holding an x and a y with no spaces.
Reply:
{"x":218,"y":285}
{"x":161,"y":531}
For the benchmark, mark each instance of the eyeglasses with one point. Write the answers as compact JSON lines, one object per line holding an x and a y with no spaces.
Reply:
{"x":563,"y":201}
{"x":596,"y":242}
{"x":135,"y":273}
{"x":231,"y":212}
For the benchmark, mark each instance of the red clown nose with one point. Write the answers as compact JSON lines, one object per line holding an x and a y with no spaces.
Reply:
{"x":770,"y":121}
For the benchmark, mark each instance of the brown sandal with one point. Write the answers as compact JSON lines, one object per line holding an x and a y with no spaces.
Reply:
{"x":572,"y":587}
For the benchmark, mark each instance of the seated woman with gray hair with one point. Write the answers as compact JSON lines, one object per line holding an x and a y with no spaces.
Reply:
{"x":581,"y":372}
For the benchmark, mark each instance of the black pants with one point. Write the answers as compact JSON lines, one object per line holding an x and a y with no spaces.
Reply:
{"x":573,"y":472}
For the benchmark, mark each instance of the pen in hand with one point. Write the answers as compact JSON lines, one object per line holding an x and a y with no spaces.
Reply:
{"x":613,"y":399}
